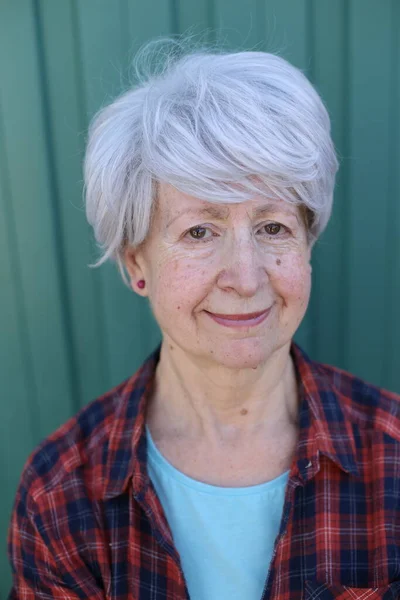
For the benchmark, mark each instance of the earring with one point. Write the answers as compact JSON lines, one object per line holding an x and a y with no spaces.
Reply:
{"x":141,"y":283}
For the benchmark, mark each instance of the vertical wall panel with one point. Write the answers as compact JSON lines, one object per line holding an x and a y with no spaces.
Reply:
{"x":63,"y":92}
{"x":40,"y":395}
{"x":100,"y":33}
{"x":391,"y":371}
{"x":19,"y":403}
{"x":25,"y":137}
{"x":329,"y":254}
{"x":66,"y":99}
{"x":370,"y":74}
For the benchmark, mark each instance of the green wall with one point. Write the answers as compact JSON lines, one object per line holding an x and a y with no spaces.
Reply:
{"x":69,"y":333}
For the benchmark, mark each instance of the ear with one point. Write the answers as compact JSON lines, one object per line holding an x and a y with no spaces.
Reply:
{"x":134,"y":265}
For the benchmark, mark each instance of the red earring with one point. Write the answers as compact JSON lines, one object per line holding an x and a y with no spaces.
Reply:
{"x":141,"y":283}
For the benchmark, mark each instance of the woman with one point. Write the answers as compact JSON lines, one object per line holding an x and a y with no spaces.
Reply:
{"x":230,"y":465}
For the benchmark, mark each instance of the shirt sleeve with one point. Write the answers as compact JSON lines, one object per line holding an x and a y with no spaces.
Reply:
{"x":35,"y":572}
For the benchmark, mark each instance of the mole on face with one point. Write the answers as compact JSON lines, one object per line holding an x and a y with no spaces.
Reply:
{"x":244,"y":411}
{"x":278,"y":261}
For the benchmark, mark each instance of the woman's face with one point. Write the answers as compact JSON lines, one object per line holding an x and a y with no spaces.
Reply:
{"x":202,"y":260}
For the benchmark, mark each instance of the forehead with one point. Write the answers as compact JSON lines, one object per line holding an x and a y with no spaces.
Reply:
{"x":171,"y":202}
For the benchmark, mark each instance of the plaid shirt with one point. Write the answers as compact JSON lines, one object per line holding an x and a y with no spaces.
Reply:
{"x":87,"y":522}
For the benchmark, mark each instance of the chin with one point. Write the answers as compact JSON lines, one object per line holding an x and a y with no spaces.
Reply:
{"x":241,"y":354}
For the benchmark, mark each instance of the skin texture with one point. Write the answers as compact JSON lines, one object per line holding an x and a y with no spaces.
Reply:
{"x":220,"y":388}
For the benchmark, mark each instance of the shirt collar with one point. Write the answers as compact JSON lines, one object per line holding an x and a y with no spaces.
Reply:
{"x":125,"y":457}
{"x":324,"y":427}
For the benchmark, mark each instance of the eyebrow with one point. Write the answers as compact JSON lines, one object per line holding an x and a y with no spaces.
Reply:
{"x":222,"y":212}
{"x":273,"y":208}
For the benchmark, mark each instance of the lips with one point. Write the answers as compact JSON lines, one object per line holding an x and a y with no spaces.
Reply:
{"x":240,"y":320}
{"x":240,"y":317}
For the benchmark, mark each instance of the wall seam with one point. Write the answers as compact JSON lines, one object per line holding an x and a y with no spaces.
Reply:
{"x":62,"y":279}
{"x":82,"y":103}
{"x":346,"y":177}
{"x":15,"y":263}
{"x":392,"y":216}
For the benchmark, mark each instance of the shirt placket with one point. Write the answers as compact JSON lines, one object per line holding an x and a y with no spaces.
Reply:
{"x":304,"y":471}
{"x":164,"y":541}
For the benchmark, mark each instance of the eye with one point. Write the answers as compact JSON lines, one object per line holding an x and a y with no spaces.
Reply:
{"x":199,"y":233}
{"x":273,"y":229}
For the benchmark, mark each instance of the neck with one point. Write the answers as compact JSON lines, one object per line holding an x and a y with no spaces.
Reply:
{"x":199,"y":401}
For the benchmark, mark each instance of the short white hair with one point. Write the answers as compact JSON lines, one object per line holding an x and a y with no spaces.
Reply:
{"x":218,"y":125}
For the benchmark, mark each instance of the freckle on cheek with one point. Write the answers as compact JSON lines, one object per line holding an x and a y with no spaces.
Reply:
{"x":178,"y":307}
{"x":278,"y":261}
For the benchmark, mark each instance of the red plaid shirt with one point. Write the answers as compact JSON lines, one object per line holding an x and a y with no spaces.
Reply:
{"x":87,"y":522}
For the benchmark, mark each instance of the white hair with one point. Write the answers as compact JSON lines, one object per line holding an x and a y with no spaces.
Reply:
{"x":218,"y":125}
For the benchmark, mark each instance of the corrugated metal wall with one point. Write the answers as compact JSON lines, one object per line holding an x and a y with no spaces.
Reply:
{"x":68,"y":333}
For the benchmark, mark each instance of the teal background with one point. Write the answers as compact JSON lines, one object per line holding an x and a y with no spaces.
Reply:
{"x":69,"y":333}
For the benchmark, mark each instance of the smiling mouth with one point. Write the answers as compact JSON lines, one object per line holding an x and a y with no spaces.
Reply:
{"x":241,"y":317}
{"x":240,"y":320}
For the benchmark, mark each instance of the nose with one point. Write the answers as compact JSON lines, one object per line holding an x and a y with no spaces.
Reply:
{"x":242,"y":268}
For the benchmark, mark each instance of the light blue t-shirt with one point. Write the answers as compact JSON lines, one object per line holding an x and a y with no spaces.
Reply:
{"x":225,"y":536}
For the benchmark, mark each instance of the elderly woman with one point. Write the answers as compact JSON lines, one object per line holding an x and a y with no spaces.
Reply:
{"x":231,"y":465}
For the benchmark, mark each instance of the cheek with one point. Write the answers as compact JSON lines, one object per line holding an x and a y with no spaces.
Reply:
{"x":292,"y":278}
{"x":178,"y":286}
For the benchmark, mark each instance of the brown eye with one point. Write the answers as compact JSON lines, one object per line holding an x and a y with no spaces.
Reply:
{"x":198,"y":233}
{"x":273,"y":228}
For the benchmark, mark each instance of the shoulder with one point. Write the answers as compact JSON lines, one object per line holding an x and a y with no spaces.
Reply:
{"x":80,"y":454}
{"x":73,"y":447}
{"x":364,"y":403}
